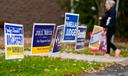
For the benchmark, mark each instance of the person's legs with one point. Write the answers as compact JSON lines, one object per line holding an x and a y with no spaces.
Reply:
{"x":108,"y":37}
{"x":110,"y":45}
{"x":117,"y":51}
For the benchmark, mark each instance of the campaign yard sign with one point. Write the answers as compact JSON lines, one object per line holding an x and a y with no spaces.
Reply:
{"x":81,"y":36}
{"x":14,"y":41}
{"x":70,"y":27}
{"x":98,"y":40}
{"x":58,"y":39}
{"x":42,"y":38}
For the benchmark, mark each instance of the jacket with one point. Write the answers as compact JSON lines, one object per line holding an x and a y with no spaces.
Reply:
{"x":109,"y":19}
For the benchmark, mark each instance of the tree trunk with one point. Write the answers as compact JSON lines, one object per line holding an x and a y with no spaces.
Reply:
{"x":101,"y":9}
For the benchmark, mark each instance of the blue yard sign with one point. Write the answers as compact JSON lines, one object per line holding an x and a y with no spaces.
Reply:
{"x":42,"y":38}
{"x":70,"y":27}
{"x":14,"y":41}
{"x":81,"y":36}
{"x":58,"y":39}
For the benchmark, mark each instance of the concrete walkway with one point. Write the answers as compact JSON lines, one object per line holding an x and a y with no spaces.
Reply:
{"x":121,"y":60}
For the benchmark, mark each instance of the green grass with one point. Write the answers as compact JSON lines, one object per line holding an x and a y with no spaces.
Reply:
{"x":44,"y":66}
{"x":124,"y":53}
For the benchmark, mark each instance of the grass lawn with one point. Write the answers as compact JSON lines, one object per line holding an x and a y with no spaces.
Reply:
{"x":44,"y":66}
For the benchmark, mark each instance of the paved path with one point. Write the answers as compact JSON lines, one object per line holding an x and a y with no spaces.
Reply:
{"x":122,"y":61}
{"x":84,"y":57}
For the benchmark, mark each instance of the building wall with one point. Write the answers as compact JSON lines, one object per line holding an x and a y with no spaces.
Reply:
{"x":29,"y":11}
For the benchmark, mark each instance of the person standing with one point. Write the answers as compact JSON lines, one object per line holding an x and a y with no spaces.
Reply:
{"x":108,"y":21}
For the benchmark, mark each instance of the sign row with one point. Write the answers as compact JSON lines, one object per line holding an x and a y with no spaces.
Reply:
{"x":44,"y":37}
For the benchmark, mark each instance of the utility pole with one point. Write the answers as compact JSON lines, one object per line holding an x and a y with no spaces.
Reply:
{"x":72,"y":6}
{"x":117,"y":6}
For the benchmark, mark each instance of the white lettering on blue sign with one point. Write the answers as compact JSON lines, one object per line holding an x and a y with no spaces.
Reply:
{"x":70,"y":32}
{"x":14,"y":40}
{"x":14,"y":30}
{"x":67,"y":18}
{"x":43,"y":32}
{"x":81,"y":34}
{"x":43,"y":41}
{"x":71,"y":24}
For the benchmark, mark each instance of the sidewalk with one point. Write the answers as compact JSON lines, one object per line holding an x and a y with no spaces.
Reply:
{"x":123,"y":61}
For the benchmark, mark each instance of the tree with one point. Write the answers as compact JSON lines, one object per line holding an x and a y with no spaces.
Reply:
{"x":100,"y":5}
{"x":89,"y":11}
{"x":123,"y":19}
